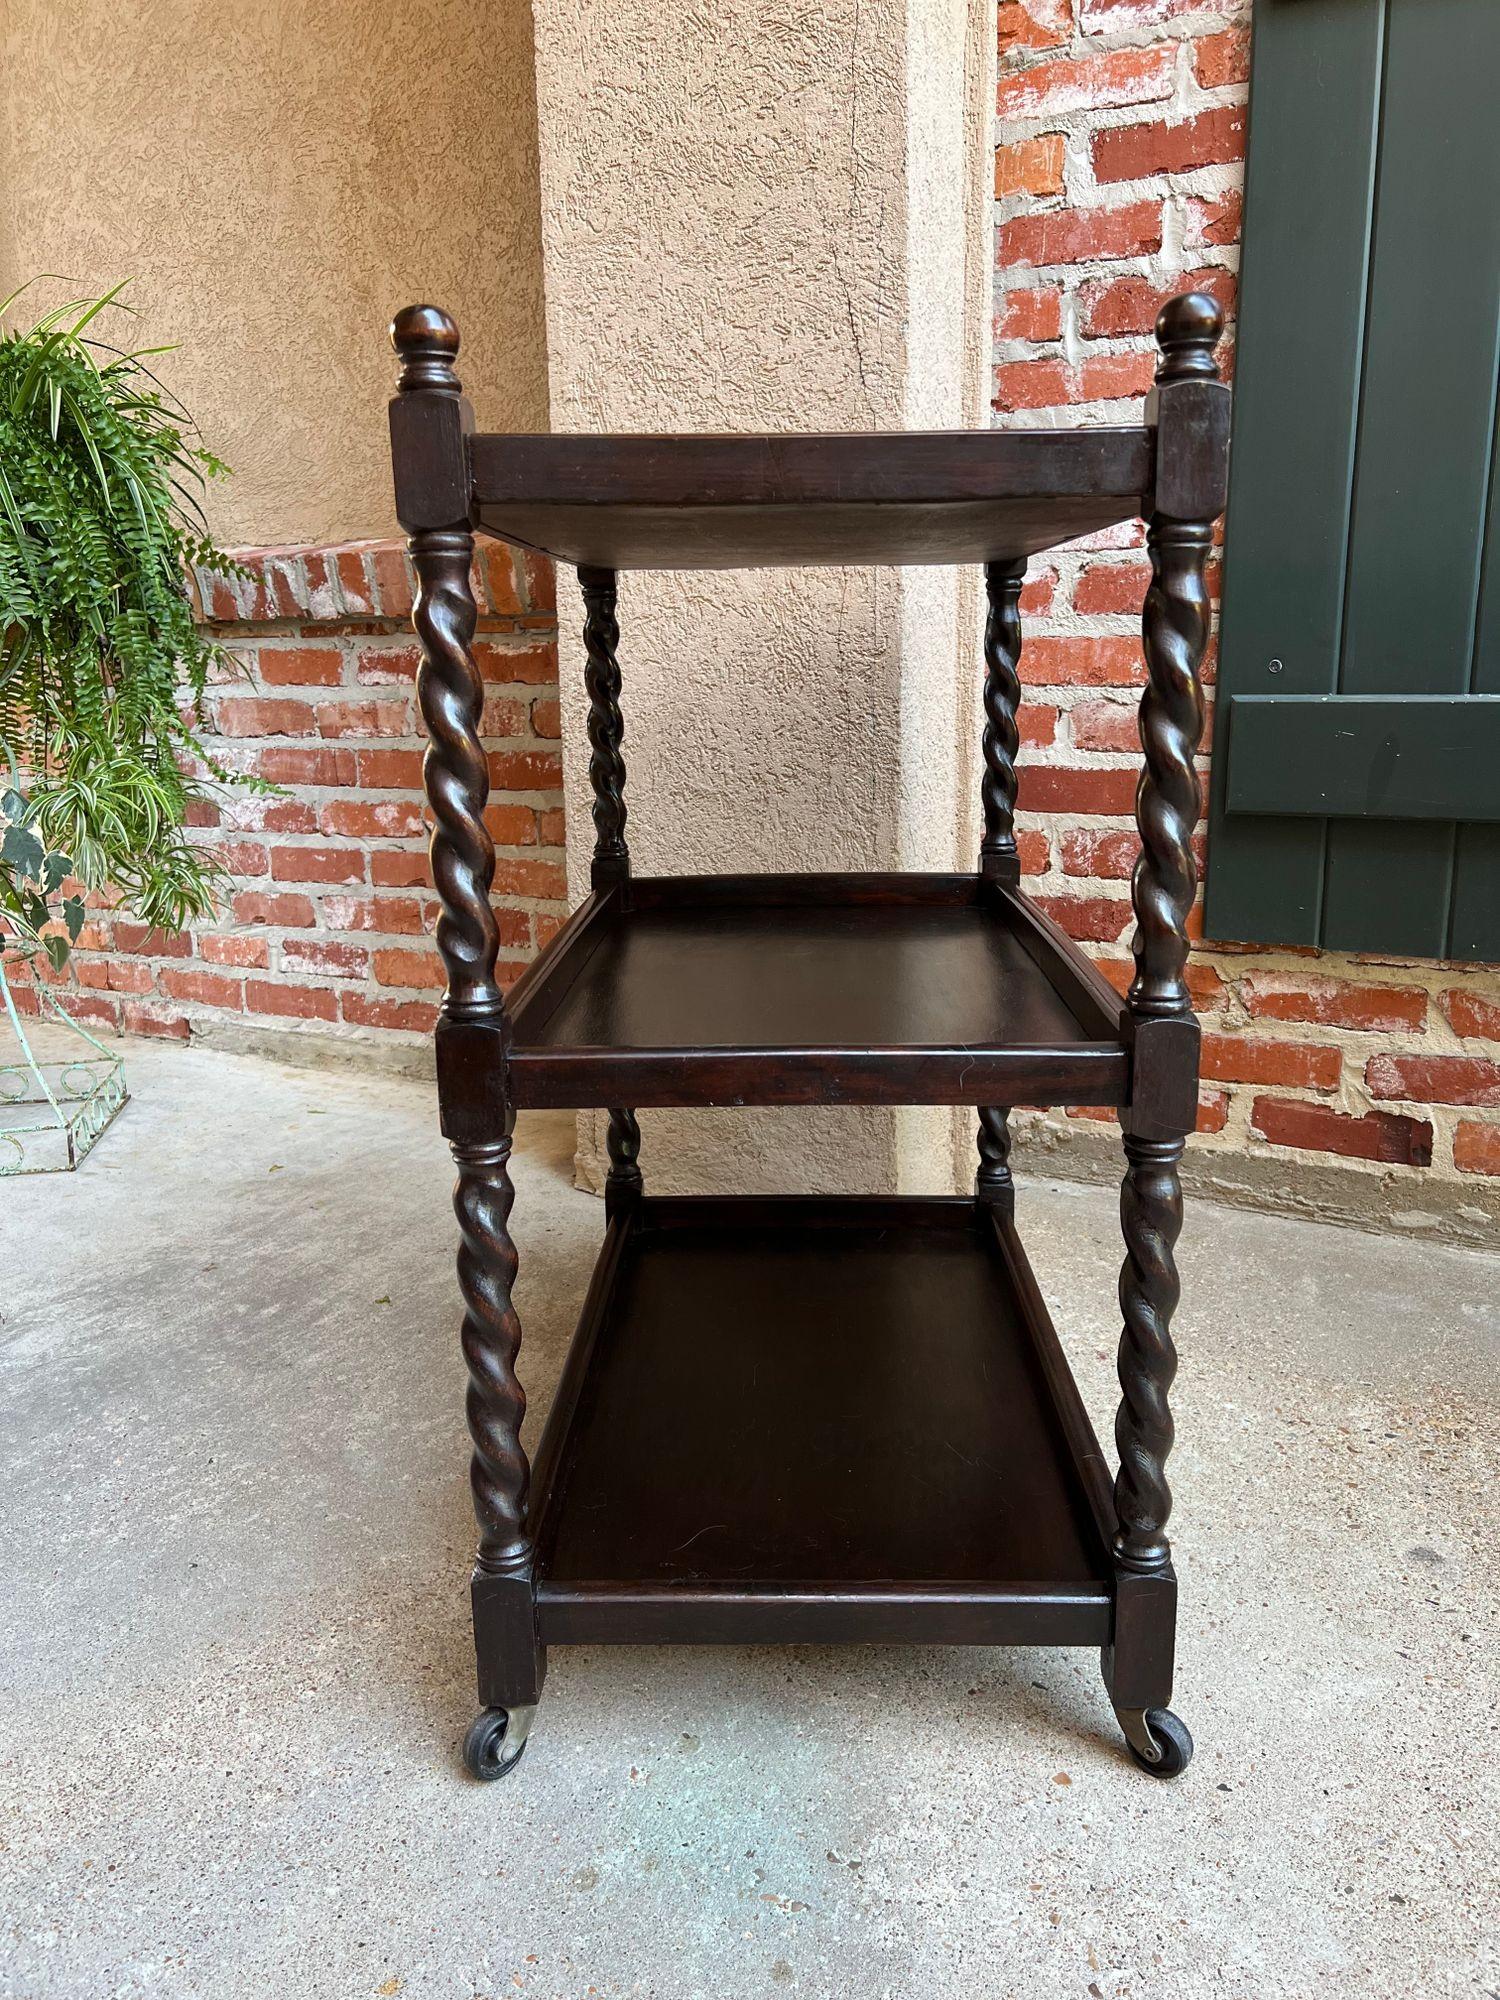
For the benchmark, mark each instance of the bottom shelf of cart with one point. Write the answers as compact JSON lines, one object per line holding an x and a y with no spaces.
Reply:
{"x":811,"y":1419}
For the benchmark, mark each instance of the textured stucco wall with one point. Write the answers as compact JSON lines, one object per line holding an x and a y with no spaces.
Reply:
{"x":770,"y":217}
{"x":278,"y":179}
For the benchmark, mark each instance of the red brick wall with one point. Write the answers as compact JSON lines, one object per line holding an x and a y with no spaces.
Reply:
{"x":1118,"y":180}
{"x":328,"y":925}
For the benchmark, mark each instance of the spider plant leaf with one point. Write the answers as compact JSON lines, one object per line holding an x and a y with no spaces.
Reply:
{"x":97,"y":306}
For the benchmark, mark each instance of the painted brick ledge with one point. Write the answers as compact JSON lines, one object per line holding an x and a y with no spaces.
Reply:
{"x":370,"y":579}
{"x":327,"y":926}
{"x":1310,"y":1185}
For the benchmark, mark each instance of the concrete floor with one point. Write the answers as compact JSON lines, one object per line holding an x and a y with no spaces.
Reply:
{"x":235,"y":1663}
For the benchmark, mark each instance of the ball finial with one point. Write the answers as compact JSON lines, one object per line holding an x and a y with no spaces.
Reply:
{"x":427,"y":341}
{"x":1187,"y":332}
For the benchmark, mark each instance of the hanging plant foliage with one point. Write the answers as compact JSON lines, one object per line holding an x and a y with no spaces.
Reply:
{"x":103,"y":669}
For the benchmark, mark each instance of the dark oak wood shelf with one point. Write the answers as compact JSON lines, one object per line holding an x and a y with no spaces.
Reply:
{"x":784,"y":989}
{"x":812,"y":1419}
{"x":847,"y":497}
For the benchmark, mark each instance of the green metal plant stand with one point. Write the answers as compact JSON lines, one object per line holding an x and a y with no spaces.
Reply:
{"x":53,"y":1107}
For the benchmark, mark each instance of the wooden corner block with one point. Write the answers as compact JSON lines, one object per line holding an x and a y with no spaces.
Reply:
{"x":1192,"y":449}
{"x":1140,"y":1658}
{"x":473,"y":1081}
{"x":1163,"y":1077}
{"x":512,"y":1666}
{"x":429,"y":451}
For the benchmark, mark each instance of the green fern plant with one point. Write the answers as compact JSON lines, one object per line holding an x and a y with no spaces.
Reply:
{"x":103,"y":669}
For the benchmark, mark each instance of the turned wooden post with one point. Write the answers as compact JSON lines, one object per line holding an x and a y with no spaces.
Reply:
{"x":1151,"y":1221}
{"x":601,"y":642}
{"x":999,"y":857}
{"x":611,"y":863}
{"x":429,"y":426}
{"x":624,"y":1181}
{"x":993,"y":1183}
{"x":1189,"y":407}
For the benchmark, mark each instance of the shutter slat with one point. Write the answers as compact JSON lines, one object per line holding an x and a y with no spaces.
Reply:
{"x":1423,"y":455}
{"x":1364,"y":515}
{"x":1391,"y":757}
{"x":1474,"y":929}
{"x":1316,"y":71}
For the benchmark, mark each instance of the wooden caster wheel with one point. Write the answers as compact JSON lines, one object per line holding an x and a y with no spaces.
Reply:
{"x":1160,"y":1743}
{"x":495,"y":1742}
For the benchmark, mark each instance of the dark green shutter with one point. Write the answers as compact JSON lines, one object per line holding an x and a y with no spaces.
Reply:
{"x":1363,"y":561}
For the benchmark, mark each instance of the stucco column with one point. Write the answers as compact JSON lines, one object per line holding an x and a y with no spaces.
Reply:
{"x":268,"y":180}
{"x":760,"y":218}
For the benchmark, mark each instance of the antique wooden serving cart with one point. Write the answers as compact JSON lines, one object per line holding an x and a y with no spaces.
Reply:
{"x":927,"y":1471}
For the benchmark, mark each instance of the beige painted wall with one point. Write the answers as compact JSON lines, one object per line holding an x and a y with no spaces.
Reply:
{"x":278,"y":178}
{"x":769,"y":216}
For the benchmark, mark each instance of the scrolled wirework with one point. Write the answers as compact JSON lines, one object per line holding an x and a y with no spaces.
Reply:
{"x":81,"y":1094}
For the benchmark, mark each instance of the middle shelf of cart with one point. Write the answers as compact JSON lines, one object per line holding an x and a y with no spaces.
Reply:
{"x":814,"y":989}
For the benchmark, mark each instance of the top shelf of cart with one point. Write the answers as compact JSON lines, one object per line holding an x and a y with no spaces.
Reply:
{"x":710,"y":502}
